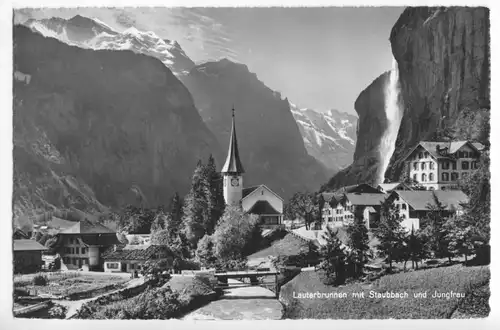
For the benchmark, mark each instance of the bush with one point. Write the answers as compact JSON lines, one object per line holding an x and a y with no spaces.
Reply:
{"x":58,"y":311}
{"x":40,"y":280}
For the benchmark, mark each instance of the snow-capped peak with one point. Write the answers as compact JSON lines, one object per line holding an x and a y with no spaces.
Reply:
{"x":328,"y":136}
{"x":95,"y":19}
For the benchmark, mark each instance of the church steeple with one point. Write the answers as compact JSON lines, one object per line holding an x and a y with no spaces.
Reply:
{"x":233,"y":163}
{"x":232,"y":171}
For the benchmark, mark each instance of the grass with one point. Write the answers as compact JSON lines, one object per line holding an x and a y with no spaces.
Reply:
{"x":458,"y":278}
{"x":63,"y":283}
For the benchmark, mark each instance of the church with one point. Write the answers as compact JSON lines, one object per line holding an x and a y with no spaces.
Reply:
{"x":259,"y":200}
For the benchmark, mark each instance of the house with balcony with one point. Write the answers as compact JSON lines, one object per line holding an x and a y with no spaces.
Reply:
{"x":82,"y":245}
{"x":391,"y":186}
{"x":414,"y":206}
{"x":440,"y":165}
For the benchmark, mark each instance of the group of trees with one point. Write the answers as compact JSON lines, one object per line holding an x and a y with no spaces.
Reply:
{"x":199,"y":228}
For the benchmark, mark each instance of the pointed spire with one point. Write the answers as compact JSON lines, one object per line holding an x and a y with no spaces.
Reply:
{"x":233,"y":163}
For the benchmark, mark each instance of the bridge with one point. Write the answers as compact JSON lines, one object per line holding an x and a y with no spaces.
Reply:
{"x":256,"y":278}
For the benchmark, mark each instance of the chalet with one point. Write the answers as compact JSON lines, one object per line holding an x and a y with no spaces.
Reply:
{"x":82,"y":244}
{"x":131,"y":258}
{"x":414,"y":205}
{"x":389,"y":187}
{"x":439,"y":165}
{"x":27,"y":256}
{"x":333,"y":210}
{"x":259,"y":200}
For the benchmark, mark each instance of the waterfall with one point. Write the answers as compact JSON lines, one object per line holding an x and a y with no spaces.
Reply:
{"x":393,"y":112}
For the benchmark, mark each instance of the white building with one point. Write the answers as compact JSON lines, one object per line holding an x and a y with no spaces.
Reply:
{"x":439,"y":165}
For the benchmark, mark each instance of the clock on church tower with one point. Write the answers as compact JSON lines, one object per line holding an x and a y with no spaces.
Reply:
{"x":233,"y":171}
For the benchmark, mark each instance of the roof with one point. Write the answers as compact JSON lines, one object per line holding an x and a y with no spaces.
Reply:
{"x":87,"y":227}
{"x":420,"y":199}
{"x":478,"y":146}
{"x":100,"y":239}
{"x":252,"y":189}
{"x":19,"y":234}
{"x":452,"y":146}
{"x":28,"y":245}
{"x":355,"y":187}
{"x":263,"y":207}
{"x":145,"y":253}
{"x":60,"y":223}
{"x":233,"y":162}
{"x":248,"y":191}
{"x":388,"y":187}
{"x":366,"y":199}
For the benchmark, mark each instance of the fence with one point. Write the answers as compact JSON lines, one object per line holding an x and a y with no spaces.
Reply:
{"x":23,"y":278}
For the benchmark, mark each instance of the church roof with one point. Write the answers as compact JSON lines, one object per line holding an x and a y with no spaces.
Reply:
{"x":233,"y":162}
{"x":263,"y":207}
{"x":248,"y":191}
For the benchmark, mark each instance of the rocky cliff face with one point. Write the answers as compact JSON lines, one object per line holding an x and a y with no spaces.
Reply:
{"x":328,"y":136}
{"x":99,"y":128}
{"x":444,"y":66}
{"x":372,"y":123}
{"x":270,"y":142}
{"x":443,"y":63}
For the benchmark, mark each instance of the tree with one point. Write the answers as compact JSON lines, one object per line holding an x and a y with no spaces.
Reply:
{"x":158,"y":222}
{"x":435,"y":230}
{"x":333,"y":258}
{"x":390,"y":233}
{"x":122,"y":238}
{"x":459,"y":235}
{"x":216,"y":202}
{"x":196,"y":207}
{"x":415,"y":250}
{"x":304,"y":205}
{"x":234,"y":231}
{"x":205,"y":252}
{"x":175,"y":213}
{"x":161,"y":237}
{"x":358,"y":243}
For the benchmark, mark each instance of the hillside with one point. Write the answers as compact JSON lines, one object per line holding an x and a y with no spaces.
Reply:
{"x":270,"y":143}
{"x":329,"y":137}
{"x":98,"y":129}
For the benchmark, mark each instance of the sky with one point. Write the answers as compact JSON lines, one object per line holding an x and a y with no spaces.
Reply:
{"x":320,"y":58}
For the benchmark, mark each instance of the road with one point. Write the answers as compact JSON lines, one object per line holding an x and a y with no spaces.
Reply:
{"x":247,"y":303}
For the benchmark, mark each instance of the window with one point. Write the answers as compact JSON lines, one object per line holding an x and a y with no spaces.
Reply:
{"x":426,"y":155}
{"x":465,"y":165}
{"x":454,"y":165}
{"x":112,"y":265}
{"x":422,"y":166}
{"x":77,"y":250}
{"x":446,"y":165}
{"x":445,"y":176}
{"x":431,"y":188}
{"x":421,"y":155}
{"x":415,"y":177}
{"x":431,"y":177}
{"x":83,"y":250}
{"x":415,"y":166}
{"x":431,"y":165}
{"x":454,"y":176}
{"x":424,"y":177}
{"x":475,"y":165}
{"x":403,"y":206}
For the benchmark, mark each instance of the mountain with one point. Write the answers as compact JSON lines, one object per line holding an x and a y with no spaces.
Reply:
{"x":328,"y":136}
{"x":99,"y":129}
{"x":442,"y":59}
{"x":271,"y":146}
{"x":94,"y":34}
